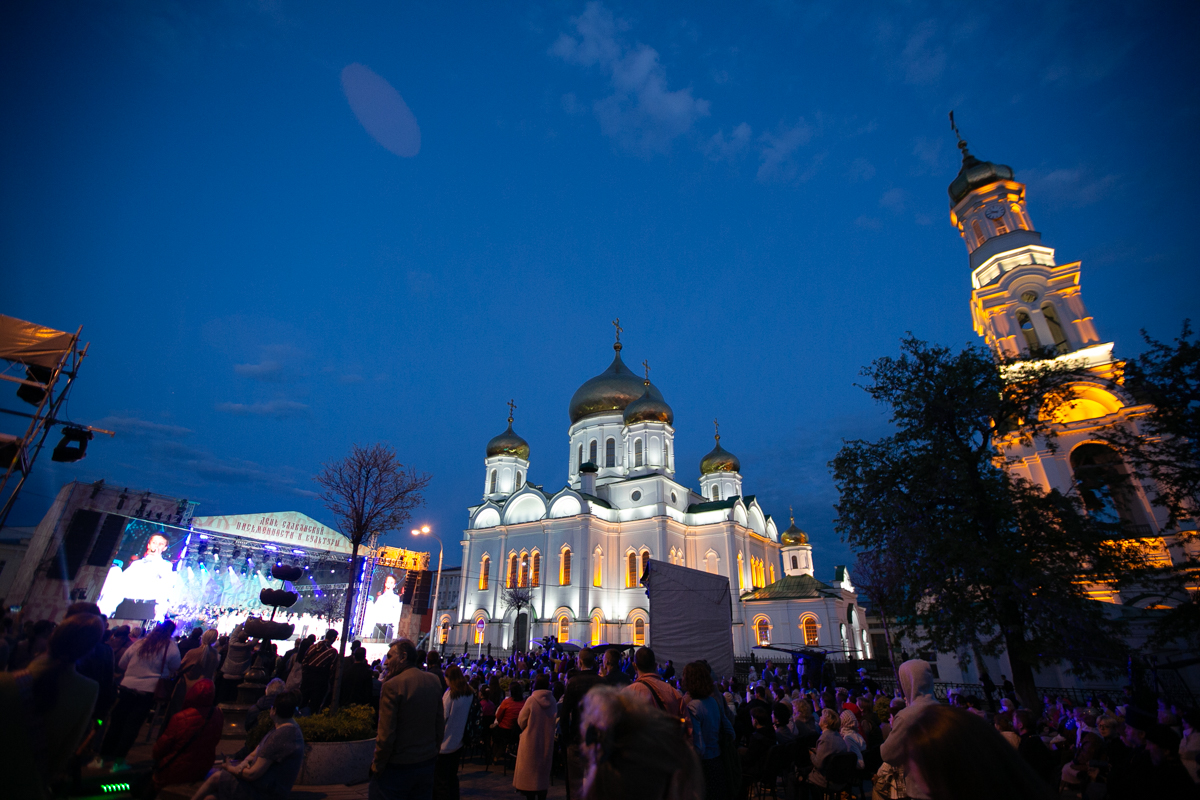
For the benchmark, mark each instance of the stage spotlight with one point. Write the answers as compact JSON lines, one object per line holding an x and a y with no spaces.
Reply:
{"x":237,"y":551}
{"x":73,"y":445}
{"x":32,"y":394}
{"x":216,"y":551}
{"x":203,"y":548}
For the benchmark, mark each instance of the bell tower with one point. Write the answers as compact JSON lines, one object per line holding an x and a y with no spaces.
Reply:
{"x":1021,"y":299}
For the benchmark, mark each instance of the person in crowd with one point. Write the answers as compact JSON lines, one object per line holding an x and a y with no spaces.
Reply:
{"x":294,"y":676}
{"x":578,"y":686}
{"x":916,"y":682}
{"x":191,"y":642}
{"x":989,"y":690}
{"x":1037,"y":755}
{"x":505,"y":730}
{"x":270,"y":770}
{"x":1189,"y":745}
{"x":535,"y":753}
{"x":120,"y":641}
{"x":32,"y":646}
{"x":610,"y":670}
{"x":237,"y":661}
{"x":633,"y":752}
{"x":45,"y":709}
{"x":185,"y":751}
{"x":151,"y":659}
{"x":412,"y":727}
{"x":708,"y":720}
{"x":802,"y":719}
{"x":357,"y":683}
{"x":1166,"y":777}
{"x":318,"y":664}
{"x":99,"y":666}
{"x":263,"y":704}
{"x":867,"y":685}
{"x":829,"y":744}
{"x":652,"y":689}
{"x":199,"y":663}
{"x":1002,"y":721}
{"x":784,"y":730}
{"x":851,"y":736}
{"x":954,"y":754}
{"x":456,"y":709}
{"x":754,"y":754}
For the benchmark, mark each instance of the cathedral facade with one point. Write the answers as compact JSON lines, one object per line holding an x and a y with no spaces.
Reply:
{"x":576,"y":554}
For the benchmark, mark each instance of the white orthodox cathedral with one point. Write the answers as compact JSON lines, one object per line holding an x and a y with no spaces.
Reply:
{"x":582,"y":549}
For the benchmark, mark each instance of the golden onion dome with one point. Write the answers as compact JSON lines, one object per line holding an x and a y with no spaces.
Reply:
{"x":793,"y":535}
{"x":974,"y":174}
{"x":647,"y":409}
{"x":719,"y":460}
{"x":611,"y":391}
{"x":508,"y":444}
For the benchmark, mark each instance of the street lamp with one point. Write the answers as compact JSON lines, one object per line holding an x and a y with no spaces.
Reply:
{"x":425,"y":530}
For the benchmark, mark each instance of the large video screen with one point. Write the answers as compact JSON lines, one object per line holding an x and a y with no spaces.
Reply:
{"x":142,"y":577}
{"x":382,"y":618}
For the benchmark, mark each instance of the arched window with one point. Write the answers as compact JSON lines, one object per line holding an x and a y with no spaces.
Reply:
{"x":597,"y":567}
{"x":592,"y":452}
{"x":1001,"y":227}
{"x":645,"y":563}
{"x":536,"y":576}
{"x":795,"y":563}
{"x":564,"y":628}
{"x":523,"y":574}
{"x":630,"y":570}
{"x":512,"y":571}
{"x":610,"y":453}
{"x":809,"y":624}
{"x":1103,"y":482}
{"x":485,"y":566}
{"x":711,"y":563}
{"x":762,"y":631}
{"x":579,"y":463}
{"x":519,"y":479}
{"x":978,"y":231}
{"x":639,"y":632}
{"x":444,"y":634}
{"x":1027,"y":330}
{"x":637,"y":452}
{"x":595,"y":631}
{"x":741,"y":573}
{"x":495,"y":479}
{"x":667,"y":455}
{"x":716,"y":492}
{"x":1056,"y":329}
{"x":564,"y":567}
{"x":772,"y":575}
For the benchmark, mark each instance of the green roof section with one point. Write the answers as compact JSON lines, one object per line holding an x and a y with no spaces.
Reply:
{"x":792,"y":587}
{"x":591,"y":498}
{"x":712,"y":505}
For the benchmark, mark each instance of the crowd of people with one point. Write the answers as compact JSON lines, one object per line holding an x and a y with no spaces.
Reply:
{"x":610,"y":722}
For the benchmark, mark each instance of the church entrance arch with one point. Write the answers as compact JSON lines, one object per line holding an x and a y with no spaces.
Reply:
{"x":521,"y":632}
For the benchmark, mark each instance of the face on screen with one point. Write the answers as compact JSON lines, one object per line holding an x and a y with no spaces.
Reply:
{"x":389,"y":583}
{"x":157,"y":544}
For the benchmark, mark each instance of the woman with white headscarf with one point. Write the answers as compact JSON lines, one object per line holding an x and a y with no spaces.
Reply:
{"x":854,"y":740}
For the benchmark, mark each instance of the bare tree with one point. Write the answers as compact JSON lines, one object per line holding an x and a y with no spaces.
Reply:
{"x":368,"y":491}
{"x":516,"y":598}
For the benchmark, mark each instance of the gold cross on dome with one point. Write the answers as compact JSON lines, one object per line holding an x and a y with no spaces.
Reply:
{"x":617,"y":324}
{"x":646,"y":364}
{"x":717,"y":426}
{"x":511,"y":407}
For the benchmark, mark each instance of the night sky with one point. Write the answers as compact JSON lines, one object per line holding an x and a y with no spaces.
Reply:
{"x":289,"y":227}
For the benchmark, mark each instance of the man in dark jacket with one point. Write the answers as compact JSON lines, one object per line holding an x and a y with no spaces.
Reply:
{"x":577,"y":687}
{"x":412,"y":724}
{"x":318,"y":663}
{"x":358,"y":681}
{"x":1035,"y":752}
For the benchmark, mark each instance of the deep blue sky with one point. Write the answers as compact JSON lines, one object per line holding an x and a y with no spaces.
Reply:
{"x":757,"y":190}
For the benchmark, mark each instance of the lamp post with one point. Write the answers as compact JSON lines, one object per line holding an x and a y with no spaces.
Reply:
{"x":437,"y":585}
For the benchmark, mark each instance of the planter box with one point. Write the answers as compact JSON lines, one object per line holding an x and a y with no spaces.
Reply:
{"x":328,"y":763}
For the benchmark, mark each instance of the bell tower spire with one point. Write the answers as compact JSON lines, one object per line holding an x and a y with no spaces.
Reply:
{"x":1021,"y":299}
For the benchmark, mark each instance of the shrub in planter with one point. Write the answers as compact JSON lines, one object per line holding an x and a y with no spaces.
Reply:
{"x":349,"y":724}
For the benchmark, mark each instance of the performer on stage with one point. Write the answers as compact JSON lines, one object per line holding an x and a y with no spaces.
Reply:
{"x":384,"y":612}
{"x":150,"y":577}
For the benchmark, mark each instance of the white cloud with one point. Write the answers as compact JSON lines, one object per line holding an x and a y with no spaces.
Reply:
{"x":894,"y":200}
{"x":861,"y":170}
{"x":279,"y":409}
{"x":266,"y":371}
{"x":778,"y":163}
{"x":1076,"y":187}
{"x":642,"y":113}
{"x":718,"y":148}
{"x":923,"y":59}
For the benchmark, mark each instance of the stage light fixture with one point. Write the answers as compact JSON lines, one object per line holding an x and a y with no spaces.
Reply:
{"x":216,"y":551}
{"x":203,"y":548}
{"x":237,"y":551}
{"x":73,"y":445}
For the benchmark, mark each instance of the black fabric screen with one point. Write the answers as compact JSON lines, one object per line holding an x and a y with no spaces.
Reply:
{"x":106,"y":541}
{"x":75,"y":545}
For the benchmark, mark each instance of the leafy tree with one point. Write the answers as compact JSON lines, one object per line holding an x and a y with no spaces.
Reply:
{"x":880,"y":581}
{"x":984,"y":559}
{"x":368,"y":491}
{"x":1163,"y":449}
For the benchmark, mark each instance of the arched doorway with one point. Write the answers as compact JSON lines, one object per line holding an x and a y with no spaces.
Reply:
{"x":521,"y":632}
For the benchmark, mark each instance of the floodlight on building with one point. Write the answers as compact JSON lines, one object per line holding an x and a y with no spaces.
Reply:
{"x":73,"y":445}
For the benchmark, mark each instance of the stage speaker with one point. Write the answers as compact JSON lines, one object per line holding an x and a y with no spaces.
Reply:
{"x":32,"y":394}
{"x":106,"y":541}
{"x":76,"y":543}
{"x":423,"y":590}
